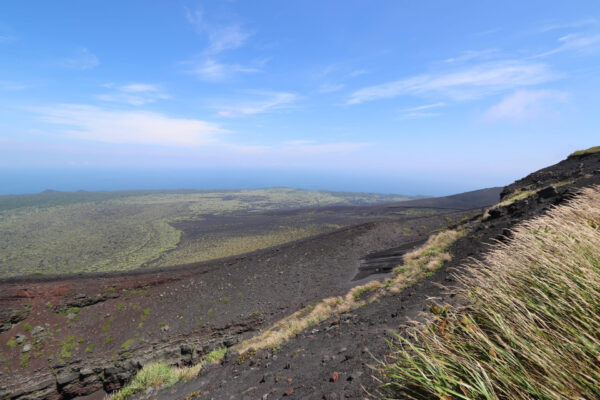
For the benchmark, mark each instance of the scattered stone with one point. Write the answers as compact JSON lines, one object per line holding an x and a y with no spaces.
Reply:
{"x":71,"y":316}
{"x":186,"y":349}
{"x":26,"y":348}
{"x":19,"y":338}
{"x":267,"y":377}
{"x":65,"y":377}
{"x":334,"y":377}
{"x":85,"y":372}
{"x":265,"y":396}
{"x":288,"y":391}
{"x":354,"y":375}
{"x":165,"y":328}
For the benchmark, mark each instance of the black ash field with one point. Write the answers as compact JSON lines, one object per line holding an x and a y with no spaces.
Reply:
{"x":305,"y":319}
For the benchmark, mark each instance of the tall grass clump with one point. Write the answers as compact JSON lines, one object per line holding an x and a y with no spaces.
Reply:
{"x":152,"y":375}
{"x":531,"y":327}
{"x":156,"y":375}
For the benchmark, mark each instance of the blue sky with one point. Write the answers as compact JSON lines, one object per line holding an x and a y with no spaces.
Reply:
{"x":425,"y":97}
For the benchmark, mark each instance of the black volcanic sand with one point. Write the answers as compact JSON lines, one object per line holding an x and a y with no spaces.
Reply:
{"x":333,"y":360}
{"x":99,"y":328}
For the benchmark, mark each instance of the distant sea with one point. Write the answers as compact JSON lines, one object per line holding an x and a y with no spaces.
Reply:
{"x":19,"y":181}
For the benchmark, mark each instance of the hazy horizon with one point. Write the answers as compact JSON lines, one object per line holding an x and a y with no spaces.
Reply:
{"x":388,"y":97}
{"x":35,"y":181}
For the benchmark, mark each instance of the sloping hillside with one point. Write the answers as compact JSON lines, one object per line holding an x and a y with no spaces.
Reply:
{"x":334,"y":358}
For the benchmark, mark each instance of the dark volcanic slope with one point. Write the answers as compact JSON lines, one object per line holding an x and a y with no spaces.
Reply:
{"x":332,"y":360}
{"x":570,"y":170}
{"x":85,"y":334}
{"x":462,"y":201}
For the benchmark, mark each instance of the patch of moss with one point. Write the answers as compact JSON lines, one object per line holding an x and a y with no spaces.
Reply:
{"x":27,"y":327}
{"x":591,"y":150}
{"x":127,"y":344}
{"x":67,"y":347}
{"x":216,"y":355}
{"x":24,"y":360}
{"x":106,"y":325}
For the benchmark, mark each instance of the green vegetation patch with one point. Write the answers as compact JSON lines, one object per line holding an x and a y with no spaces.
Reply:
{"x":216,"y":355}
{"x":56,"y":232}
{"x":24,"y":362}
{"x":152,"y":375}
{"x":591,"y":150}
{"x":127,"y":344}
{"x":68,"y":347}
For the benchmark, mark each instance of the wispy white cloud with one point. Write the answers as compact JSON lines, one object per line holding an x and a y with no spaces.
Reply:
{"x":211,"y":70}
{"x":135,"y":94}
{"x":117,"y":126}
{"x":526,"y":104}
{"x":421,"y":111}
{"x":220,"y":37}
{"x":81,"y":59}
{"x":470,"y":82}
{"x":568,"y":25}
{"x":470,"y":55}
{"x":574,"y":42}
{"x":270,"y":102}
{"x":357,"y":72}
{"x":331,"y":87}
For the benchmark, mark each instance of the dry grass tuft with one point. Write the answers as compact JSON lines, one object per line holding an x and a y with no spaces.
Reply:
{"x":532,"y":326}
{"x":418,"y":264}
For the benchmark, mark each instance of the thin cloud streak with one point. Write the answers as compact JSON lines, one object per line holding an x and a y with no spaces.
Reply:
{"x":331,"y":87}
{"x":470,"y":55}
{"x":274,"y":101}
{"x":468,"y":83}
{"x":138,"y":127}
{"x":211,"y":70}
{"x":526,"y":104}
{"x":420,"y":111}
{"x":574,"y":42}
{"x":568,"y":25}
{"x":135,"y":94}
